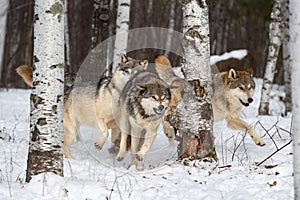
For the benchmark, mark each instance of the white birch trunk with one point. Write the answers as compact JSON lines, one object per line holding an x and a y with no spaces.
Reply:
{"x":295,"y":63}
{"x":67,"y":38}
{"x":195,"y":123}
{"x":46,"y":118}
{"x":275,"y":40}
{"x":286,"y":57}
{"x":122,"y":30}
{"x":3,"y":13}
{"x":171,"y":25}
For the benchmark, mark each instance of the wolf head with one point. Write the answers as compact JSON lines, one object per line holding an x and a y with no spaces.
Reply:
{"x":128,"y":65}
{"x":126,"y":68}
{"x":154,"y":98}
{"x":240,"y":85}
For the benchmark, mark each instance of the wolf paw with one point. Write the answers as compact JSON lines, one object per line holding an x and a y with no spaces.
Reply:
{"x":260,"y":143}
{"x":98,"y":146}
{"x":139,"y":156}
{"x":113,"y":150}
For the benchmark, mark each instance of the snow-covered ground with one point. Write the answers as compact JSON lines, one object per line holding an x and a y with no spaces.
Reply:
{"x":93,"y":174}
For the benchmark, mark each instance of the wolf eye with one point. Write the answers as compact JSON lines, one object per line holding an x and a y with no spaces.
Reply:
{"x":155,"y":98}
{"x":241,"y":88}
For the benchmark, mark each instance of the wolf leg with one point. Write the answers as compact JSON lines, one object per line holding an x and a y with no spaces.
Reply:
{"x":239,"y":124}
{"x":135,"y":145}
{"x":169,"y":130}
{"x":103,"y":133}
{"x":123,"y":146}
{"x":69,"y":137}
{"x":148,"y":141}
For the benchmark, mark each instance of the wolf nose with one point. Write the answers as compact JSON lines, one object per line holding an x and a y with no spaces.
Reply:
{"x":161,"y":107}
{"x":250,"y":100}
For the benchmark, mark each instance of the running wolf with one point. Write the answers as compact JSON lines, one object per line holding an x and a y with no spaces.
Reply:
{"x":233,"y":90}
{"x":142,"y":105}
{"x":84,"y":104}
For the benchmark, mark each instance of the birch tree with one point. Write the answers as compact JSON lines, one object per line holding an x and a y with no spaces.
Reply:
{"x":46,"y":127}
{"x":3,"y":14}
{"x":195,"y":109}
{"x":286,"y":56}
{"x":295,"y":61}
{"x":275,"y":40}
{"x":122,"y":30}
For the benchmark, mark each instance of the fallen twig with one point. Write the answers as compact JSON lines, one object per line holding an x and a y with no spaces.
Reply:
{"x":274,"y":153}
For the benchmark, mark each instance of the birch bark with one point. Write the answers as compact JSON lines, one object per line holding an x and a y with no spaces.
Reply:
{"x":295,"y":63}
{"x":275,"y":41}
{"x":46,"y":118}
{"x":286,"y":56}
{"x":195,"y":110}
{"x":122,"y":30}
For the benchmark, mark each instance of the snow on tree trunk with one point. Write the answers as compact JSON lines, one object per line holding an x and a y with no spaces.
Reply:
{"x":122,"y":30}
{"x":286,"y":57}
{"x":295,"y":63}
{"x":275,"y":40}
{"x":46,"y":118}
{"x":195,"y":109}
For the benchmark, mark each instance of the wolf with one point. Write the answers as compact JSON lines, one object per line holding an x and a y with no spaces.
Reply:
{"x":142,"y":106}
{"x":232,"y":90}
{"x":164,"y":70}
{"x":92,"y":104}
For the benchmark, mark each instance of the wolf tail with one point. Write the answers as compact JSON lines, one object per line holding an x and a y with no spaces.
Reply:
{"x":26,"y":73}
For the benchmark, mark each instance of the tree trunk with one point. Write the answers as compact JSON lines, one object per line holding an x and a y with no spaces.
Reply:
{"x":46,"y":121}
{"x":195,"y":109}
{"x":295,"y":62}
{"x":80,"y":13}
{"x":18,"y":41}
{"x":286,"y":56}
{"x":3,"y":13}
{"x":95,"y":63}
{"x":275,"y":40}
{"x":122,"y":30}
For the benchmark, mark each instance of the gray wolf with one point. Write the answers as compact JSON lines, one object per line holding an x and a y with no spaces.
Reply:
{"x":234,"y":89}
{"x":142,"y":106}
{"x":164,"y":70}
{"x":84,"y":104}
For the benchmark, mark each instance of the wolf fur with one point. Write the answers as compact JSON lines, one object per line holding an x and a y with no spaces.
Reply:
{"x":164,"y":70}
{"x":26,"y":73}
{"x":93,"y":105}
{"x":83,"y":105}
{"x":142,"y":106}
{"x":233,"y":90}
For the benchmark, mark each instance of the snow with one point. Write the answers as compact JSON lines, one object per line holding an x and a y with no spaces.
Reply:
{"x":238,"y":54}
{"x":94,"y":174}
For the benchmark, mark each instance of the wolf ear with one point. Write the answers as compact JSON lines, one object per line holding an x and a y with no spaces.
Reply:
{"x":140,"y":87}
{"x":250,"y":71}
{"x":232,"y":74}
{"x":144,"y":64}
{"x":123,"y":58}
